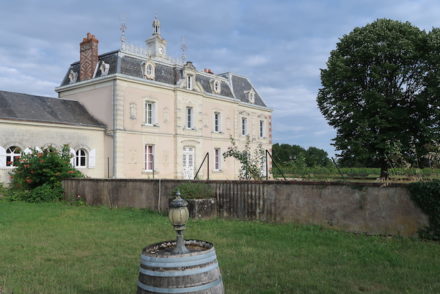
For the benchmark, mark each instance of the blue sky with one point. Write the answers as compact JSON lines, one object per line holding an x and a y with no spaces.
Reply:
{"x":280,"y":45}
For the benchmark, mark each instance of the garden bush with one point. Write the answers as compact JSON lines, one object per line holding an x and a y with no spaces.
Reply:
{"x":194,"y":190}
{"x":48,"y":166}
{"x":43,"y":193}
{"x":38,"y":175}
{"x":427,"y":196}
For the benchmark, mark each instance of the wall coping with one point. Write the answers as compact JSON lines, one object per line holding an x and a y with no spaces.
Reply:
{"x":268,"y":182}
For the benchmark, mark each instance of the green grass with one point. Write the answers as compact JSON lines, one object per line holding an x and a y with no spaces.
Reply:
{"x":57,"y":248}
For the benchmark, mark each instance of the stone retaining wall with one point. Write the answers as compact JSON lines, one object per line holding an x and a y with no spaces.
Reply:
{"x":353,"y":207}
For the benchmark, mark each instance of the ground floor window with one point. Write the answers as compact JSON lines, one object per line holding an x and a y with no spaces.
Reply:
{"x":13,"y":154}
{"x":217,"y":159}
{"x":80,"y":158}
{"x":149,"y":157}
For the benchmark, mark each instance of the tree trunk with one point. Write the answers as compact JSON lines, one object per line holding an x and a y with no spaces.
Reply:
{"x":384,"y":174}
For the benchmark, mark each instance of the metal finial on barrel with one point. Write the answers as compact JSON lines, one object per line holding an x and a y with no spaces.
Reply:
{"x":178,"y":216}
{"x":172,"y":267}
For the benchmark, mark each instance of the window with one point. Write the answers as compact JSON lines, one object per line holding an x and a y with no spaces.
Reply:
{"x":261,"y":128}
{"x":217,"y":122}
{"x":189,"y":82}
{"x":251,"y":96}
{"x":13,"y":154}
{"x":148,"y":70}
{"x":149,"y":157}
{"x":217,"y":87}
{"x":189,"y":118}
{"x":244,"y":127}
{"x":217,"y":159}
{"x":150,"y":112}
{"x":80,"y":158}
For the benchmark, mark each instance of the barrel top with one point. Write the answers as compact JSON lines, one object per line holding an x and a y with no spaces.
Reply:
{"x":164,"y":249}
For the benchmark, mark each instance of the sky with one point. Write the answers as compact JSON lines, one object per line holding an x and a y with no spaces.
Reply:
{"x":279,"y":45}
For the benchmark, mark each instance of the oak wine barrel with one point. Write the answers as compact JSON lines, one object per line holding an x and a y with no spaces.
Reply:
{"x":196,"y":272}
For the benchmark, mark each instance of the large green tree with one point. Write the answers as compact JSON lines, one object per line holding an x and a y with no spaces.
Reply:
{"x":380,"y":92}
{"x":297,"y":156}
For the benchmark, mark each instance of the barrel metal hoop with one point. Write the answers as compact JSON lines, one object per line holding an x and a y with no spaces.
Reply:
{"x":179,"y":290}
{"x":179,"y":264}
{"x":188,"y":272}
{"x":174,"y":259}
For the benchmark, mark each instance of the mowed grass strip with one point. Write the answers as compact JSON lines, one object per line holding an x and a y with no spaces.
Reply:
{"x":58,"y":248}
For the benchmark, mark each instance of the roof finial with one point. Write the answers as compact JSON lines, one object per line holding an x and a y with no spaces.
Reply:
{"x":183,"y":48}
{"x":123,"y":28}
{"x":156,"y":26}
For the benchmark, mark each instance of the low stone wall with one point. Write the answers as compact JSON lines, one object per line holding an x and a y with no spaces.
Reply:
{"x":353,"y":207}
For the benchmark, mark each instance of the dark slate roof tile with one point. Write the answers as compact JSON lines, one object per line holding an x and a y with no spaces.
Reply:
{"x":242,"y":85}
{"x":18,"y":106}
{"x":205,"y":81}
{"x":131,"y":66}
{"x":75,"y":68}
{"x":111,"y":59}
{"x":166,"y":74}
{"x":169,"y":74}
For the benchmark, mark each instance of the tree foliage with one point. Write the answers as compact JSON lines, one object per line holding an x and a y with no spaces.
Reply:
{"x":380,"y":92}
{"x":297,"y":156}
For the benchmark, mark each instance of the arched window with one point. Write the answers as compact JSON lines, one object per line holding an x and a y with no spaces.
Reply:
{"x":13,"y":154}
{"x":80,"y":158}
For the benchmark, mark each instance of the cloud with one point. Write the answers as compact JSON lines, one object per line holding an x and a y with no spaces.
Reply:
{"x":255,"y":60}
{"x":280,"y":45}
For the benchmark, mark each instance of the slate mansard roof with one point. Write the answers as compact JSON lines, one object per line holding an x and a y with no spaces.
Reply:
{"x":24,"y":107}
{"x":232,"y":86}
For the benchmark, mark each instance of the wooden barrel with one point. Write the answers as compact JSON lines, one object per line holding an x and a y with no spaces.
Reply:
{"x":193,"y":272}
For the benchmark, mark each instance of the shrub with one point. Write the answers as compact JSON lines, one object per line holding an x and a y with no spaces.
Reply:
{"x":426,"y":195}
{"x":194,"y":190}
{"x":38,"y":175}
{"x":44,"y":193}
{"x":48,"y":166}
{"x":16,"y":194}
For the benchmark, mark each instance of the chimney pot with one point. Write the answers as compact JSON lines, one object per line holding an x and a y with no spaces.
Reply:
{"x":88,"y":57}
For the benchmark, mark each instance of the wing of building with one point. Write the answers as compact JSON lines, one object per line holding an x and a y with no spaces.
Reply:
{"x":161,"y":117}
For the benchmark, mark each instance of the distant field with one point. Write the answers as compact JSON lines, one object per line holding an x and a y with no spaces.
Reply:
{"x":368,"y":174}
{"x":56,"y":248}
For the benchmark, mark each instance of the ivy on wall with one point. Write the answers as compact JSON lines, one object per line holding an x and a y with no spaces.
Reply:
{"x":427,"y":196}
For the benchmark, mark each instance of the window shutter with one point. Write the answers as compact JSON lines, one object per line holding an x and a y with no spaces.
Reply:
{"x":72,"y":159}
{"x":213,"y":122}
{"x":2,"y":157}
{"x":92,"y":158}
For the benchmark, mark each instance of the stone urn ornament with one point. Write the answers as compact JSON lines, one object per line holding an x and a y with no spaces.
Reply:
{"x":180,"y":266}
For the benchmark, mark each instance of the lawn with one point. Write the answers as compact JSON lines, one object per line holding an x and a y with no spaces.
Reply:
{"x":58,"y":248}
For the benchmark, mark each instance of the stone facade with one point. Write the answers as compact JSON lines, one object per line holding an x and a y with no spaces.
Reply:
{"x":26,"y":135}
{"x":163,"y":117}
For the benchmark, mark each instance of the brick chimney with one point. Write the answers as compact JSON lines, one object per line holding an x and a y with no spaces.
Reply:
{"x":88,"y":57}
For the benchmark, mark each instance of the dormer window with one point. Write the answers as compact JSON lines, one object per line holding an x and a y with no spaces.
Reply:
{"x":104,"y":68}
{"x":189,"y":82}
{"x":148,"y":70}
{"x":251,"y":96}
{"x":217,"y":87}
